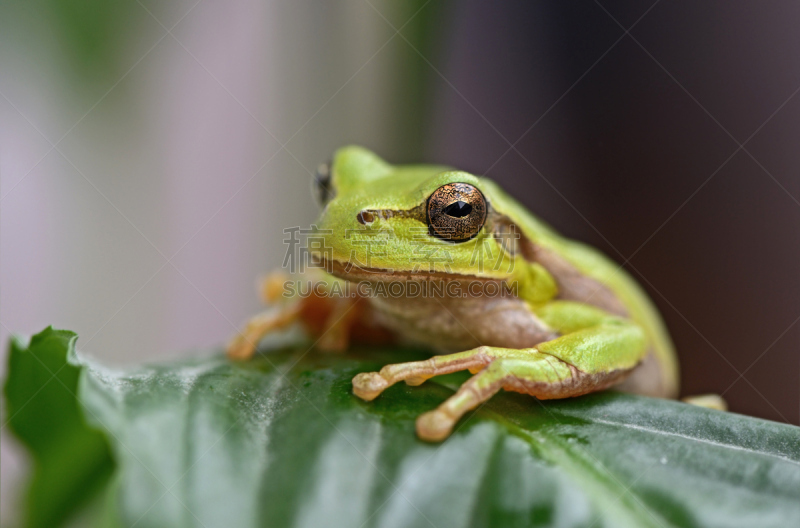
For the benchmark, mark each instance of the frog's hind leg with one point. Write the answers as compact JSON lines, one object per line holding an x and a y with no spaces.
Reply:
{"x":525,"y":370}
{"x":537,"y":374}
{"x":709,"y":401}
{"x":368,"y":385}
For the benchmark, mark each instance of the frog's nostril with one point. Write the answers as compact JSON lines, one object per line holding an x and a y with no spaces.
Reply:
{"x":365,"y":217}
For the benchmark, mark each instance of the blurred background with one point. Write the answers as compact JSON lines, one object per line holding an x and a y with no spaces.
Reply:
{"x":151,"y":153}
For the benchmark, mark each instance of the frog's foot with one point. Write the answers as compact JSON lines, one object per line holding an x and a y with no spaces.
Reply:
{"x":436,"y":425}
{"x":526,"y":370}
{"x":709,"y":401}
{"x":243,"y":345}
{"x":368,"y":385}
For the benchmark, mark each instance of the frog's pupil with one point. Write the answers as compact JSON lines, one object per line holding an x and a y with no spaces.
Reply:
{"x":458,"y":209}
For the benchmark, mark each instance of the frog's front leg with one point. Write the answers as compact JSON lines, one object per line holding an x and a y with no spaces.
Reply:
{"x":243,"y":345}
{"x":582,"y":361}
{"x":327,"y":319}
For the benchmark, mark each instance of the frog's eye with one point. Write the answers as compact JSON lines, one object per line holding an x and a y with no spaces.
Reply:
{"x":456,"y":212}
{"x":322,"y":183}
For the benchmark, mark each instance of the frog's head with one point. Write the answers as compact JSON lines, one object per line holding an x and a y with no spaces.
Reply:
{"x":380,"y":218}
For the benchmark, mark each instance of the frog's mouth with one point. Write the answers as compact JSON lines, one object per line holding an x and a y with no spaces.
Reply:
{"x":354,"y":273}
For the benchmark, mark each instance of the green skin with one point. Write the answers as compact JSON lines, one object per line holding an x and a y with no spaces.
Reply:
{"x":590,"y":340}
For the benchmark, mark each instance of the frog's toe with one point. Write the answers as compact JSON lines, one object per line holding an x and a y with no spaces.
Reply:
{"x":709,"y":401}
{"x":415,"y":380}
{"x":368,"y":385}
{"x":240,"y":349}
{"x":435,"y":426}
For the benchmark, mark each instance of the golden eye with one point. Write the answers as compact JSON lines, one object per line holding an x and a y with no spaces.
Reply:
{"x":456,"y":212}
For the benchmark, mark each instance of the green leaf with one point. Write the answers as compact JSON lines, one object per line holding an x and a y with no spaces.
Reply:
{"x":281,"y":441}
{"x":71,"y":461}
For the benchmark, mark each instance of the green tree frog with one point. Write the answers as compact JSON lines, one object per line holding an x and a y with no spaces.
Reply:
{"x":452,"y":261}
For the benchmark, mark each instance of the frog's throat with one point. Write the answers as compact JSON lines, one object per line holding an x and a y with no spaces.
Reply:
{"x":355,"y":273}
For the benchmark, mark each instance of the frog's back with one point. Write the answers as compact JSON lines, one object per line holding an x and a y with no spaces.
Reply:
{"x":584,"y":274}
